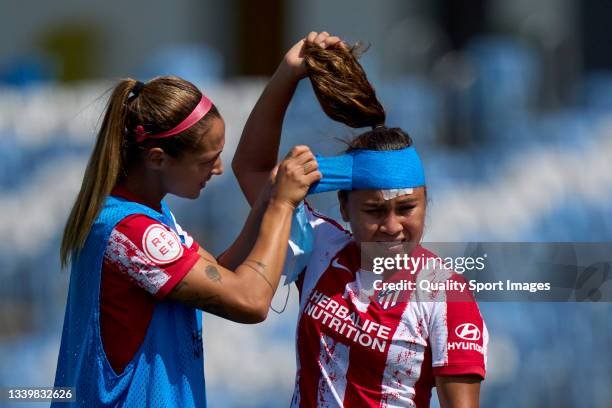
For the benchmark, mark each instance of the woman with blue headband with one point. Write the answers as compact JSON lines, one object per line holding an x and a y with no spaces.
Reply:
{"x":359,"y":344}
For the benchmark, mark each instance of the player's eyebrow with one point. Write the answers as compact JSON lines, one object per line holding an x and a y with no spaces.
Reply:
{"x":402,"y":201}
{"x":407,"y":200}
{"x":373,"y":202}
{"x":204,"y":157}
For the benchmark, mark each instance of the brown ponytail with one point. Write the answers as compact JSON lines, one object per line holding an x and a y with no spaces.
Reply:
{"x":101,"y":172}
{"x":159,"y":105}
{"x":346,"y":96}
{"x":342,"y":87}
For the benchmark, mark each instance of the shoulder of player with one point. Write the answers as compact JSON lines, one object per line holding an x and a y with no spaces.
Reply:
{"x":136,"y":221}
{"x":140,"y":228}
{"x":140,"y":234}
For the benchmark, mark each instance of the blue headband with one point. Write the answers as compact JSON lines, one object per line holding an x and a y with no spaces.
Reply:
{"x":370,"y":170}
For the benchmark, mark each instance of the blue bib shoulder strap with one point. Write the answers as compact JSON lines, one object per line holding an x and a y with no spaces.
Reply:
{"x":117,"y":208}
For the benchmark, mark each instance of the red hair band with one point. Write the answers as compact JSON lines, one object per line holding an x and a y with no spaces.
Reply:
{"x":198,"y":113}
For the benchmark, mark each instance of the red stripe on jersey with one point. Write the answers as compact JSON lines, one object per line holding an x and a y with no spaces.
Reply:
{"x":309,"y":337}
{"x":460,"y":370}
{"x":466,"y":335}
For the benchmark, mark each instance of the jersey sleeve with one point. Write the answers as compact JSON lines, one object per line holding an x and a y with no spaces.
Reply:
{"x":150,"y":254}
{"x":458,"y":334}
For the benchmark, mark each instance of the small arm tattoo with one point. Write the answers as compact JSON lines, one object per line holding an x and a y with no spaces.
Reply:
{"x":258,"y":263}
{"x":260,"y":273}
{"x":213,"y":273}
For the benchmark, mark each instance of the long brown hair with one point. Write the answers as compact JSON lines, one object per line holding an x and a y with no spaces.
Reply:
{"x":341,"y":85}
{"x":157,"y":106}
{"x":347,"y":96}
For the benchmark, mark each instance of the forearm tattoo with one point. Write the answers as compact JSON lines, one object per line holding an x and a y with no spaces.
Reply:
{"x":260,"y":264}
{"x":212,"y":304}
{"x":259,"y":267}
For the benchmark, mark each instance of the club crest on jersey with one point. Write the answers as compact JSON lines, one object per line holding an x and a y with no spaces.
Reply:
{"x":387,"y":298}
{"x":161,"y":245}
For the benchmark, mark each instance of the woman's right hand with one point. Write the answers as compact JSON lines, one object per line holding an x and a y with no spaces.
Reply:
{"x":293,"y":62}
{"x":295,"y":174}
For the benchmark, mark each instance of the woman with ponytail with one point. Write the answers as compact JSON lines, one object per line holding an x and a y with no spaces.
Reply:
{"x":359,"y":344}
{"x":132,"y":336}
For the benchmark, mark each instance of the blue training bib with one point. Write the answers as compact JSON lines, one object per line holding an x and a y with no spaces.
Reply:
{"x":167,"y":370}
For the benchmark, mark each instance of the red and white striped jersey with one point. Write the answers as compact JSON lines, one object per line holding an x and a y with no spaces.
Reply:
{"x":357,"y":347}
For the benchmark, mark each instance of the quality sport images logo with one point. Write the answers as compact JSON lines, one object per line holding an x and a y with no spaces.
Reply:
{"x":471,"y":334}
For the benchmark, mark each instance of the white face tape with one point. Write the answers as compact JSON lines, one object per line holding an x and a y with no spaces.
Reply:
{"x":396,"y":192}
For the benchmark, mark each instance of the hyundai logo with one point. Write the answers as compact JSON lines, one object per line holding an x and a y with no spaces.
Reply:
{"x":468,"y":331}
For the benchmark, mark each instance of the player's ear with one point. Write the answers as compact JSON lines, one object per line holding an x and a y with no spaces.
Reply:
{"x":155,"y":158}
